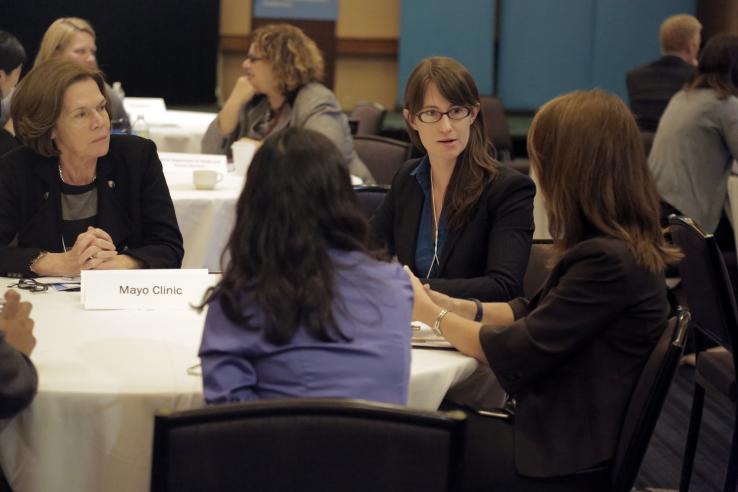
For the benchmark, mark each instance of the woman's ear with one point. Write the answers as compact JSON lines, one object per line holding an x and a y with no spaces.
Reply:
{"x":409,"y":118}
{"x":475,"y":111}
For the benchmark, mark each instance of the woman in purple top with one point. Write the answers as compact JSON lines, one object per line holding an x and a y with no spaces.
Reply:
{"x":305,"y":307}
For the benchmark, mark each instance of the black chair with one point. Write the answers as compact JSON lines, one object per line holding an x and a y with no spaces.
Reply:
{"x":383,"y":156}
{"x":368,"y":116}
{"x":495,"y":122}
{"x":370,"y":198}
{"x":307,"y":445}
{"x":537,"y":271}
{"x":711,"y":300}
{"x":646,"y":402}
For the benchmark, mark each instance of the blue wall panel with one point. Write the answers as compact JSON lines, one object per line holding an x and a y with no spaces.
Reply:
{"x":545,"y":50}
{"x":548,"y":48}
{"x":461,"y":30}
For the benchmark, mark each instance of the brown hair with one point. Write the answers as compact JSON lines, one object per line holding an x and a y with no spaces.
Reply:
{"x":586,"y":149}
{"x":39,"y":99}
{"x":718,"y":66}
{"x":295,"y":58}
{"x":475,"y":166}
{"x":678,"y":31}
{"x":59,"y":35}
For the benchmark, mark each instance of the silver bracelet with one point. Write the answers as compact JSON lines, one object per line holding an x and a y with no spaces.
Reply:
{"x":437,"y":323}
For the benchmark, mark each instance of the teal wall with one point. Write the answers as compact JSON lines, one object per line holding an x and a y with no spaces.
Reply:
{"x":463,"y":30}
{"x":546,"y":47}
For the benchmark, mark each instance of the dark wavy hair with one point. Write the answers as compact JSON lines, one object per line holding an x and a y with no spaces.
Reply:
{"x":718,"y":66}
{"x":475,"y":167}
{"x":297,"y":204}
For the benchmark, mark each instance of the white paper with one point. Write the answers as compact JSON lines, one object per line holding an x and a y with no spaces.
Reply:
{"x":181,"y":163}
{"x":143,"y":289}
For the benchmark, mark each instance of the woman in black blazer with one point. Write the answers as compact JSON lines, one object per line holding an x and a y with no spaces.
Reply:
{"x":73,"y":198}
{"x":460,"y":221}
{"x":571,"y":356}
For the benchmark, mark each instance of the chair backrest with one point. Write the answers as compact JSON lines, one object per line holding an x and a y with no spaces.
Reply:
{"x":537,"y":271}
{"x":307,"y":445}
{"x":706,"y":282}
{"x":495,"y":123}
{"x":646,"y":402}
{"x":369,"y":116}
{"x":370,"y":198}
{"x":383,"y":156}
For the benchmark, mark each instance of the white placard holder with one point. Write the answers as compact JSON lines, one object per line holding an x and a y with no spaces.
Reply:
{"x":151,"y":108}
{"x":180,"y":163}
{"x":143,"y":289}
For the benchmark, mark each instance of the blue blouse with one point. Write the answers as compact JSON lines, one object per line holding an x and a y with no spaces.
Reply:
{"x":424,"y":250}
{"x":373,"y":307}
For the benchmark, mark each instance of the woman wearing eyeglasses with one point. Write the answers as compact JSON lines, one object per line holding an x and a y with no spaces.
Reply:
{"x":459,"y":220}
{"x":282,"y":88}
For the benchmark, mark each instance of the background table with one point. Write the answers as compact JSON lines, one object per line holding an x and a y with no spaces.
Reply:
{"x":178,"y":131}
{"x":205,"y":218}
{"x":102,"y":376}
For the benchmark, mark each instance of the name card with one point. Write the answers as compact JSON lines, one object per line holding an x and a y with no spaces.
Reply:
{"x":143,"y":289}
{"x":149,"y":107}
{"x":179,"y":163}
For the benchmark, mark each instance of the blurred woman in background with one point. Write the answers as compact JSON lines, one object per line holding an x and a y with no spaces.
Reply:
{"x":282,"y":88}
{"x":12,"y":58}
{"x":74,"y":39}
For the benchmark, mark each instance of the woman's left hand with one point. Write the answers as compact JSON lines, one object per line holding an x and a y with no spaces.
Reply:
{"x":424,"y":309}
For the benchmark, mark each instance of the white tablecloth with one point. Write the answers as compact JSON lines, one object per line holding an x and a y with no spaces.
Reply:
{"x":205,"y":218}
{"x":102,"y":376}
{"x":178,"y":131}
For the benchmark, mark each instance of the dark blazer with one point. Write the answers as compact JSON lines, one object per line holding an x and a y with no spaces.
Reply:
{"x":134,"y":206}
{"x":18,"y":380}
{"x":486,"y":258}
{"x":574,"y":355}
{"x":651,"y":86}
{"x":7,"y":142}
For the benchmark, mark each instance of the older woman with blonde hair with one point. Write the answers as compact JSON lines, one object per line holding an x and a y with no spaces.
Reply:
{"x":74,"y":39}
{"x":282,"y":88}
{"x":572,"y":355}
{"x":74,"y":197}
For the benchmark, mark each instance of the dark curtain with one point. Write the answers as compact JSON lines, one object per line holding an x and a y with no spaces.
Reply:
{"x":156,"y":48}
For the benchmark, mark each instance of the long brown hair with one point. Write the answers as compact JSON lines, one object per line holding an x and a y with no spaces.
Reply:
{"x":587,"y":152}
{"x":475,"y":167}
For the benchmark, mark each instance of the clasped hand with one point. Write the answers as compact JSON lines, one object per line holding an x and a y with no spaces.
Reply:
{"x":91,"y":250}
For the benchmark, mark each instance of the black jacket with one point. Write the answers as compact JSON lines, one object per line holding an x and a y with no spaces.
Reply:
{"x":651,"y":86}
{"x":18,"y":380}
{"x":134,"y":206}
{"x":574,"y":354}
{"x":486,"y":258}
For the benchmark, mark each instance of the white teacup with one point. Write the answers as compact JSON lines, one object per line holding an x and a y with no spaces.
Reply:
{"x":243,"y":151}
{"x":206,"y":179}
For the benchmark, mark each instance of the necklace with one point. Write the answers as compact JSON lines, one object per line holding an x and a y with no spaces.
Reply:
{"x":61,"y":175}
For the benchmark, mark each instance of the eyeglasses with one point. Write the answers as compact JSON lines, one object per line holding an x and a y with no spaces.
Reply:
{"x":30,"y":285}
{"x":255,"y":58}
{"x":433,"y":115}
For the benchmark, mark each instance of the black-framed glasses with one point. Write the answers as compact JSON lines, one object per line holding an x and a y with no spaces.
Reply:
{"x":434,"y":115}
{"x":30,"y":285}
{"x":255,"y":58}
